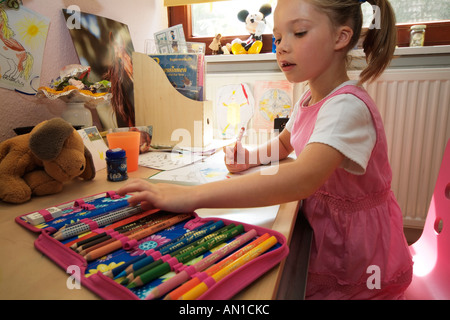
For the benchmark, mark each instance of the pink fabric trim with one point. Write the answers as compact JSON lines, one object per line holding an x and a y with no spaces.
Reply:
{"x":210,"y":282}
{"x":92,"y":224}
{"x":46,"y":215}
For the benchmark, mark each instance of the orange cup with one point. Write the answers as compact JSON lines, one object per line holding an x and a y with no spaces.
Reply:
{"x":128,"y":141}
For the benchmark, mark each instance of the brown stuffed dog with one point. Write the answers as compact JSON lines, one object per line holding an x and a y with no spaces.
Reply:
{"x":38,"y":163}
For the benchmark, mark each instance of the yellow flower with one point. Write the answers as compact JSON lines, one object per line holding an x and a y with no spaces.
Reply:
{"x":103,"y":268}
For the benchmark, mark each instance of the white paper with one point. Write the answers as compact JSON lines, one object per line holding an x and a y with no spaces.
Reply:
{"x":167,"y":160}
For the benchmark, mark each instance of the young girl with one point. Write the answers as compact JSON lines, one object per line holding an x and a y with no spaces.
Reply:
{"x":341,"y":172}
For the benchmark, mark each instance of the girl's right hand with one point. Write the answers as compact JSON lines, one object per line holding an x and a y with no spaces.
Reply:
{"x":236,"y":158}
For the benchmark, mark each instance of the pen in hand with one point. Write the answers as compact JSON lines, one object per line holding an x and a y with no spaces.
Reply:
{"x":238,"y":139}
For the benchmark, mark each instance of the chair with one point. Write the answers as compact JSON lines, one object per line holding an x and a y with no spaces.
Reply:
{"x":431,"y":252}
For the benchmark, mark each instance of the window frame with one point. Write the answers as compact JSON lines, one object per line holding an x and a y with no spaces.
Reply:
{"x":182,"y":15}
{"x":437,"y":32}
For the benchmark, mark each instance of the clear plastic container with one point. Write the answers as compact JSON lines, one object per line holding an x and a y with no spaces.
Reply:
{"x":417,"y":37}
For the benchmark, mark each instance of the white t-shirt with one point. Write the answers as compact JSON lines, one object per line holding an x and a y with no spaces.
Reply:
{"x":344,"y":122}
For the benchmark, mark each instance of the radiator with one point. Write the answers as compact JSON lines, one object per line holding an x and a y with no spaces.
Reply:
{"x":415,"y":107}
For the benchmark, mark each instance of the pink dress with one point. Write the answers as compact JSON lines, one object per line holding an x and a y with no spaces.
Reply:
{"x":359,"y":250}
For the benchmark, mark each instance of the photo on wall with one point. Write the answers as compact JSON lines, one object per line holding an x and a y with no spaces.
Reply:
{"x":106,"y":46}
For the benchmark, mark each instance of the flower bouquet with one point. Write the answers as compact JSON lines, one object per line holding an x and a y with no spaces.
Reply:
{"x":74,"y":88}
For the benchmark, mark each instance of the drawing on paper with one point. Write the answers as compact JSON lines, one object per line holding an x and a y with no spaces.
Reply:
{"x":234,"y":108}
{"x":273,"y":99}
{"x":22,"y":40}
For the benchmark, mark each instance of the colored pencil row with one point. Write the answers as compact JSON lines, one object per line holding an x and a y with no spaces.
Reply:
{"x":232,"y":256}
{"x":181,"y":247}
{"x":132,"y":220}
{"x":146,"y":221}
{"x":126,"y":268}
{"x":184,"y":275}
{"x":89,"y":214}
{"x":117,"y":244}
{"x":202,"y":287}
{"x":190,"y":282}
{"x":99,"y":221}
{"x":165,"y":267}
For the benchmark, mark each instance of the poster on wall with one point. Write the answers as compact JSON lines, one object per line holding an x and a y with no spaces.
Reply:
{"x":272,"y":99}
{"x":106,"y":46}
{"x":234,"y":109}
{"x":23,"y":34}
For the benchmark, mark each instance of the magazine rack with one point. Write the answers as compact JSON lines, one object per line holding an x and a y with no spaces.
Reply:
{"x":176,"y":120}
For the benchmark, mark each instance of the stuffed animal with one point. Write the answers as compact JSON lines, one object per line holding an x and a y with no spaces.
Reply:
{"x":255,"y":24}
{"x":39,"y":162}
{"x":216,"y":46}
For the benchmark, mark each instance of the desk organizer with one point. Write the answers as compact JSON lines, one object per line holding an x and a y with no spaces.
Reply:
{"x":220,"y":255}
{"x":173,"y":116}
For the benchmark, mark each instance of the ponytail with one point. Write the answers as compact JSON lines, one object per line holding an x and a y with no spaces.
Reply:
{"x":381,"y":38}
{"x":379,"y":42}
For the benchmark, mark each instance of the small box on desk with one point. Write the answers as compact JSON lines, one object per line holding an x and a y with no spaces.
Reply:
{"x":176,"y":119}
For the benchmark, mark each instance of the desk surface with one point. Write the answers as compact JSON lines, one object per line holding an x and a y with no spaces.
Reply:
{"x":25,"y":273}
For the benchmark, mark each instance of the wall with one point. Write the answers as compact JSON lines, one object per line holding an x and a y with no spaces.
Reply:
{"x":143,"y":18}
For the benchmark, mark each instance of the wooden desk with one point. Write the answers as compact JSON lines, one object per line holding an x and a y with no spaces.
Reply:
{"x":25,"y":273}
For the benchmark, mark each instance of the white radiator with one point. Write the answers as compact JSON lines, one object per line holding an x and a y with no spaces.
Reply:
{"x":415,"y":106}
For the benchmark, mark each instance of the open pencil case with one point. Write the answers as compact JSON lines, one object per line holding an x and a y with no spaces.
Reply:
{"x":166,"y":230}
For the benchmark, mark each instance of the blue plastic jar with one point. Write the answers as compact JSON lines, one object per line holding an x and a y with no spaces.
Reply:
{"x":116,"y":164}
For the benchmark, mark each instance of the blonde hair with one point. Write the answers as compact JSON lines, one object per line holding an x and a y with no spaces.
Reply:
{"x":379,"y":41}
{"x":6,"y":30}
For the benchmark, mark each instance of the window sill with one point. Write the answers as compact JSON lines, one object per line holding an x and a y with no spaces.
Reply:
{"x":405,"y":57}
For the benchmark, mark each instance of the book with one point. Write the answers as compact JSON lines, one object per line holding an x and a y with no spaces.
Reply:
{"x":185,"y":72}
{"x":96,"y":145}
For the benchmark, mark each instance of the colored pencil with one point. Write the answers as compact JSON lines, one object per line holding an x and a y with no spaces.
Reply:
{"x":143,"y":267}
{"x":238,"y":139}
{"x":100,"y":252}
{"x":117,"y":272}
{"x":90,"y":214}
{"x":112,"y":237}
{"x":201,"y":288}
{"x":158,"y":225}
{"x":132,"y":219}
{"x":183,"y":275}
{"x":173,"y":246}
{"x":102,"y":220}
{"x":178,"y":292}
{"x":185,"y":257}
{"x":201,"y":240}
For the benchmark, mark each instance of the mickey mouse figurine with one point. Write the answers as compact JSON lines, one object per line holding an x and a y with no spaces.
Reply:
{"x":255,"y":24}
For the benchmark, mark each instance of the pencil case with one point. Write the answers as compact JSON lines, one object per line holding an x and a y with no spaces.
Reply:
{"x":162,"y":237}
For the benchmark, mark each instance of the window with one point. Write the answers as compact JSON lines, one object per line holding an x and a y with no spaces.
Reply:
{"x":435,"y":14}
{"x":221,"y":17}
{"x":413,"y":11}
{"x":202,"y":21}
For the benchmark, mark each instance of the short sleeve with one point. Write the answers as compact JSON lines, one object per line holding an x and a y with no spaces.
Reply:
{"x":345,"y":123}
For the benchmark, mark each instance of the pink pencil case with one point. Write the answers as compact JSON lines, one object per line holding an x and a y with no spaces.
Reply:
{"x":108,"y":288}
